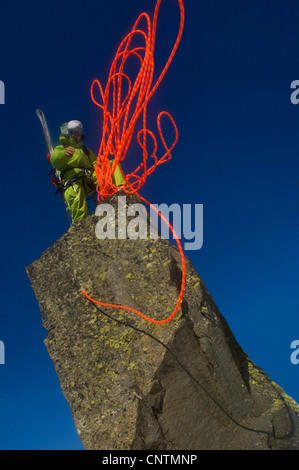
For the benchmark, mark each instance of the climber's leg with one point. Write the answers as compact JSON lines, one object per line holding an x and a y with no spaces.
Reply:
{"x":76,"y":198}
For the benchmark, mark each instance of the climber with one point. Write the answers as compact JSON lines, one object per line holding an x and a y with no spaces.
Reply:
{"x":75,"y":164}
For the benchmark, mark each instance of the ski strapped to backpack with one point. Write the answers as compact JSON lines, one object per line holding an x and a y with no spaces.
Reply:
{"x":56,"y":178}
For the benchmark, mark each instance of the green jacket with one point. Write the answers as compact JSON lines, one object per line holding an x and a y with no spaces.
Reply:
{"x":70,"y":166}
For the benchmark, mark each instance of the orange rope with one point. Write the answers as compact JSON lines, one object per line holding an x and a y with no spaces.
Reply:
{"x":120,"y":115}
{"x":182,"y":282}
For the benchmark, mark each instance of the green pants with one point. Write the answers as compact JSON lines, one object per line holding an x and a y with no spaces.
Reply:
{"x":75,"y":194}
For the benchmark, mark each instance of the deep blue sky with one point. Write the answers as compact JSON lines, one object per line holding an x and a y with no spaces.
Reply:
{"x":228,"y":90}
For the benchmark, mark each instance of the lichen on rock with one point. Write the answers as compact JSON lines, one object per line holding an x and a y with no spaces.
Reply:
{"x":132,"y":384}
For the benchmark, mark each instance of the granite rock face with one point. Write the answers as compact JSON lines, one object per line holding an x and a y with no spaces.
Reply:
{"x":132,"y":384}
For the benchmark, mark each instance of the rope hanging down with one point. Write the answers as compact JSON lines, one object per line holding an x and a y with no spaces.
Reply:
{"x":120,"y":115}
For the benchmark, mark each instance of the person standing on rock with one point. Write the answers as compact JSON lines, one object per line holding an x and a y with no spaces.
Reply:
{"x":75,"y":164}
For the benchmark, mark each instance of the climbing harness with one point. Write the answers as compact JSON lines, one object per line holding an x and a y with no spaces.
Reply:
{"x":120,"y":116}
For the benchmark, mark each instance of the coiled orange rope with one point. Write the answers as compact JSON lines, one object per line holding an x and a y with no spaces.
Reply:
{"x":120,"y":115}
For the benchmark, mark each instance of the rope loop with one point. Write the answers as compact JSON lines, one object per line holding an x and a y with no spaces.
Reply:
{"x":122,"y":110}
